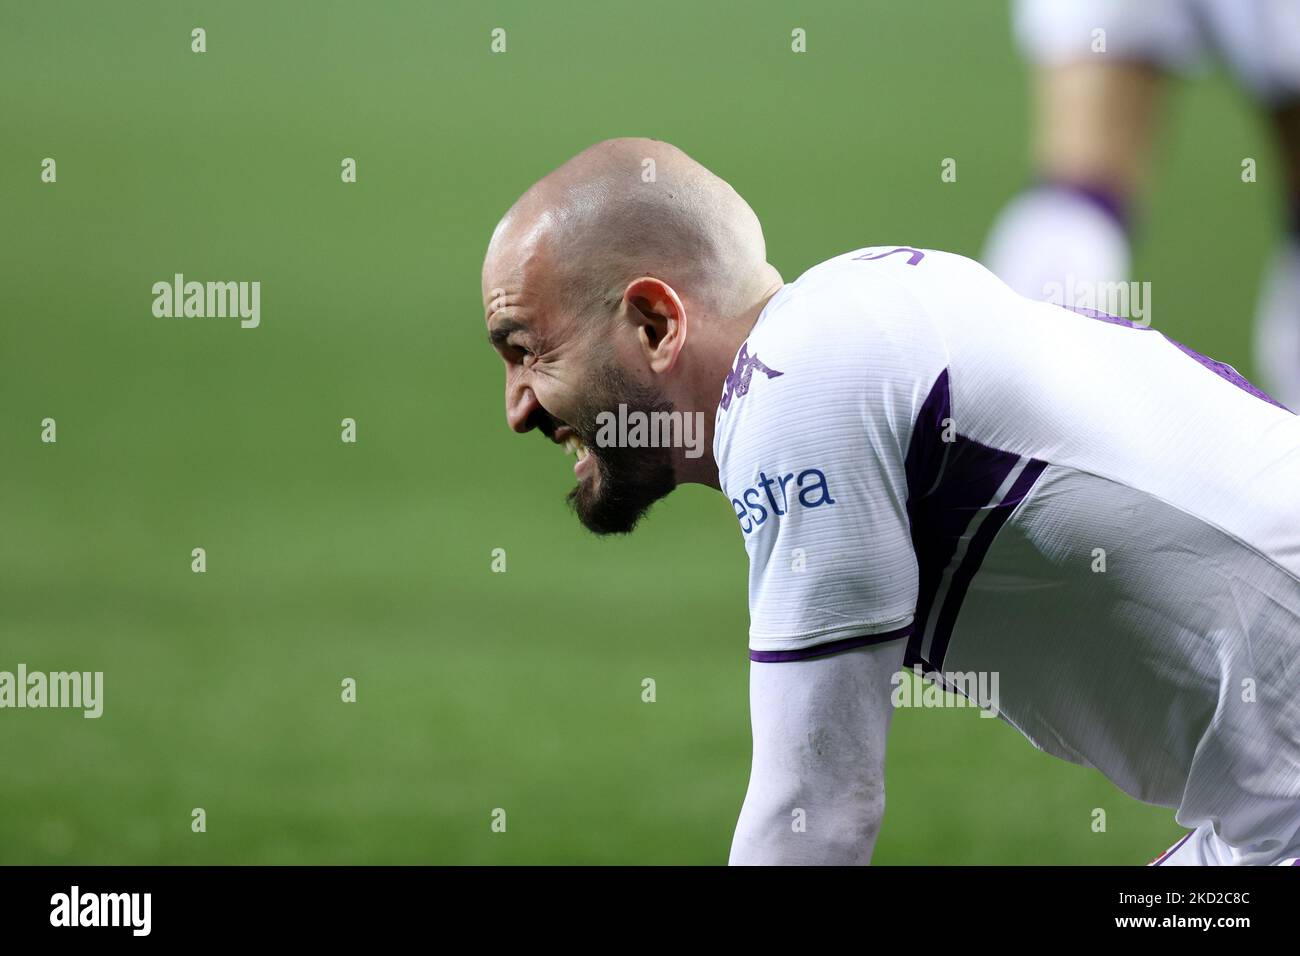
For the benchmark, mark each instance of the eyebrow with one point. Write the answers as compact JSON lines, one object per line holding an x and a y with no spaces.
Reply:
{"x":503,"y":330}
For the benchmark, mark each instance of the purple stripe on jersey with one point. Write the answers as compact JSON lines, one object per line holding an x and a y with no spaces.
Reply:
{"x":1221,"y":369}
{"x":831,"y":647}
{"x":948,"y":484}
{"x":1170,"y":852}
{"x":974,"y":557}
{"x":925,"y":452}
{"x":1088,"y":313}
{"x":1225,"y":371}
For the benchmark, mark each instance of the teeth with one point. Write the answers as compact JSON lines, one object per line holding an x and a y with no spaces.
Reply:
{"x":573,"y":446}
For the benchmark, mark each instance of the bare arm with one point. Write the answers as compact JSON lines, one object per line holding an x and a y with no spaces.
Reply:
{"x":817,"y":783}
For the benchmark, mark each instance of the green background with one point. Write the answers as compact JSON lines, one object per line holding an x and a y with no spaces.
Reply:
{"x":476,"y":690}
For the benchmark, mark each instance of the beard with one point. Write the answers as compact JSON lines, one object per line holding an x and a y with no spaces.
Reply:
{"x":627,"y":480}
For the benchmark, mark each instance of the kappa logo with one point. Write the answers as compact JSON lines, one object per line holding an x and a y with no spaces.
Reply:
{"x":738,"y":378}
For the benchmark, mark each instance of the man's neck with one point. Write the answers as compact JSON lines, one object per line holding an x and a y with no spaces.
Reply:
{"x":722,"y":353}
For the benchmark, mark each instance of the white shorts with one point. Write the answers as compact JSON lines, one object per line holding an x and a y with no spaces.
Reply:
{"x":1258,"y":39}
{"x":1202,"y":847}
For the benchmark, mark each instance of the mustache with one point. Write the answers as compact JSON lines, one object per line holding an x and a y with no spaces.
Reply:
{"x":546,"y":423}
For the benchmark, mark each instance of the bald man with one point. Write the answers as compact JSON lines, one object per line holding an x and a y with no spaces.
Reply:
{"x":1089,"y":529}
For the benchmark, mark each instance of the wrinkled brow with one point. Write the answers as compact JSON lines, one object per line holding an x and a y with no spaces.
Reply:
{"x":498,"y":334}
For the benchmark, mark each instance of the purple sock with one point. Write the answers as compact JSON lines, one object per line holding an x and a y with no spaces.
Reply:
{"x":1100,"y":198}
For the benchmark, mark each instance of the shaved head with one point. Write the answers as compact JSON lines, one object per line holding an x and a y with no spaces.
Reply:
{"x":636,"y":207}
{"x":623,"y":283}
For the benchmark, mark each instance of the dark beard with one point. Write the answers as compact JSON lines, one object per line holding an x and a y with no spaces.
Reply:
{"x":629,"y":480}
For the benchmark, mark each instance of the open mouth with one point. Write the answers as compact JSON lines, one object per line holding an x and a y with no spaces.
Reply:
{"x":573,"y":446}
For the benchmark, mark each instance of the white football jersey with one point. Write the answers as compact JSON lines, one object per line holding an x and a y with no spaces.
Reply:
{"x":1106,"y":520}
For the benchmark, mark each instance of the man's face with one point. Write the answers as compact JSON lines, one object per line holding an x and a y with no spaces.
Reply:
{"x":562,"y":372}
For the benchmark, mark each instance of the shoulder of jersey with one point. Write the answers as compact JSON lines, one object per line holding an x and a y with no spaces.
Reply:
{"x":824,"y":317}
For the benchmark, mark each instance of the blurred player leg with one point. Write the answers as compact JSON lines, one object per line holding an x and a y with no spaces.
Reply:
{"x":1260,"y":40}
{"x":1094,"y":123}
{"x":1099,"y":68}
{"x":1277,"y":321}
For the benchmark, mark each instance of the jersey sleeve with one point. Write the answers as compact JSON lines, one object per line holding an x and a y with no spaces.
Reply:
{"x":813,"y":459}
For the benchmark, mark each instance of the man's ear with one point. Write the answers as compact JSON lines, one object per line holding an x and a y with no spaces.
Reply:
{"x":660,"y":319}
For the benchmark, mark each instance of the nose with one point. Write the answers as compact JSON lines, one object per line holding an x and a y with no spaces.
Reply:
{"x":521,"y":404}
